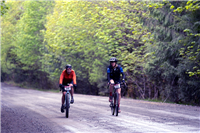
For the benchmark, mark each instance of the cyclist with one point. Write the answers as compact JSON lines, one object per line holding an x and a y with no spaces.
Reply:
{"x":68,"y":76}
{"x":113,"y":75}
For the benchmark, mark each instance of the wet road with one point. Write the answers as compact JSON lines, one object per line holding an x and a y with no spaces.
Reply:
{"x":26,"y":110}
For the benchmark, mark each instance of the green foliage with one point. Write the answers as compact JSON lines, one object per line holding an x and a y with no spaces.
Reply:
{"x":8,"y":24}
{"x":22,"y":41}
{"x":157,"y":44}
{"x":176,"y":49}
{"x":4,"y":7}
{"x":99,"y":30}
{"x":29,"y":39}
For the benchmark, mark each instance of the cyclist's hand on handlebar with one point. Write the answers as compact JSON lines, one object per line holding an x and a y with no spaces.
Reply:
{"x":124,"y":82}
{"x":61,"y":87}
{"x":75,"y":86}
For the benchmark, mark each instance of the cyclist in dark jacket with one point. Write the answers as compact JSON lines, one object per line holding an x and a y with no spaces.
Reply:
{"x":113,"y":75}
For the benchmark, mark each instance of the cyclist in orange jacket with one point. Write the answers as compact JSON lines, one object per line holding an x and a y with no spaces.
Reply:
{"x":68,"y":76}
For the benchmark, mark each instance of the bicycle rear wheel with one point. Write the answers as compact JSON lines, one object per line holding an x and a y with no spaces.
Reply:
{"x":113,"y":110}
{"x":67,"y":105}
{"x":111,"y":107}
{"x":116,"y":104}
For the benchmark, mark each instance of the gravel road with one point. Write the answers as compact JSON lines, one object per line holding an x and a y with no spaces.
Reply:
{"x":32,"y":111}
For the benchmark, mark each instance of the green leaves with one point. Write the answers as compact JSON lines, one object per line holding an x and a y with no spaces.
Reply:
{"x":29,"y":38}
{"x":88,"y":35}
{"x":4,"y":7}
{"x":180,"y":69}
{"x":157,"y":43}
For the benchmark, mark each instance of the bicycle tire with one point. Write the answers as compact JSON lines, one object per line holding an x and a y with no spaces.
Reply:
{"x":116,"y":104}
{"x":113,"y":113}
{"x":111,"y":107}
{"x":67,"y":105}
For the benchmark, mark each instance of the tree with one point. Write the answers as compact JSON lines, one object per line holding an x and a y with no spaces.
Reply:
{"x":167,"y":65}
{"x":8,"y":32}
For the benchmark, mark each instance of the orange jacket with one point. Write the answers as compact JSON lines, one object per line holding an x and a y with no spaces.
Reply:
{"x":67,"y":78}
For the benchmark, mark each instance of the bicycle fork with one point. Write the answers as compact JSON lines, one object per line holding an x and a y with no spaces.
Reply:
{"x":69,"y":98}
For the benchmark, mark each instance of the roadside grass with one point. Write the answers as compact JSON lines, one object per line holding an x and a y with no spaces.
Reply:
{"x":157,"y":100}
{"x":160,"y":101}
{"x":24,"y":85}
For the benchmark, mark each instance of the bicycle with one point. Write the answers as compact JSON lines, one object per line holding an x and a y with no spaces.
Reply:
{"x":115,"y":106}
{"x":67,"y":100}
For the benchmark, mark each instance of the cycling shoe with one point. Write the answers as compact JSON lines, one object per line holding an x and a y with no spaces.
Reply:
{"x":62,"y":109}
{"x":119,"y":111}
{"x":72,"y":101}
{"x":110,"y":99}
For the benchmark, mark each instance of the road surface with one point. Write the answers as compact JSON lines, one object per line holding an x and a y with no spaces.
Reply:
{"x":32,"y":111}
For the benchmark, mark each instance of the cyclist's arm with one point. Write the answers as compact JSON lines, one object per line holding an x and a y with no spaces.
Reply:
{"x":74,"y":77}
{"x":61,"y":78}
{"x":122,"y":72}
{"x":108,"y":74}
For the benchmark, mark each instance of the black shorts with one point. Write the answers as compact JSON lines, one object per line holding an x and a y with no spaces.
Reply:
{"x":116,"y":81}
{"x":69,"y":83}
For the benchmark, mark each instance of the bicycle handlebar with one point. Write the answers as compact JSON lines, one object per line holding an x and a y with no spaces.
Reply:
{"x":120,"y":84}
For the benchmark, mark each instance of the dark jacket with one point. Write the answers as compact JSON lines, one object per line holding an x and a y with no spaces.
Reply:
{"x":114,"y":73}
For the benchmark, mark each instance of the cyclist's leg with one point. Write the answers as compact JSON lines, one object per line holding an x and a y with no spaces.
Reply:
{"x":111,"y":89}
{"x":72,"y":92}
{"x":63,"y":100}
{"x":63,"y":97}
{"x":119,"y":92}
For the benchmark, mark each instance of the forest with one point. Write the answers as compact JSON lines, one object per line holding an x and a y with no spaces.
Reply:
{"x":157,"y":43}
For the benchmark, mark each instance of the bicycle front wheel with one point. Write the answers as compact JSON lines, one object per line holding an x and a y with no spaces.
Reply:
{"x":67,"y":105}
{"x":112,"y":108}
{"x":117,"y":104}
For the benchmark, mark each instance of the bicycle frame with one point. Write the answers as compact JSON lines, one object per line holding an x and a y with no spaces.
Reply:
{"x":114,"y":106}
{"x":115,"y":88}
{"x":67,"y":89}
{"x":67,"y":99}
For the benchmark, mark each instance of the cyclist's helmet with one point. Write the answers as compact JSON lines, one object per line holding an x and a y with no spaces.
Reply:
{"x":113,"y":59}
{"x":68,"y":66}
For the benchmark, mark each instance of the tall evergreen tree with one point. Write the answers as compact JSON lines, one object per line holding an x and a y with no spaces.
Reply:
{"x":167,"y":65}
